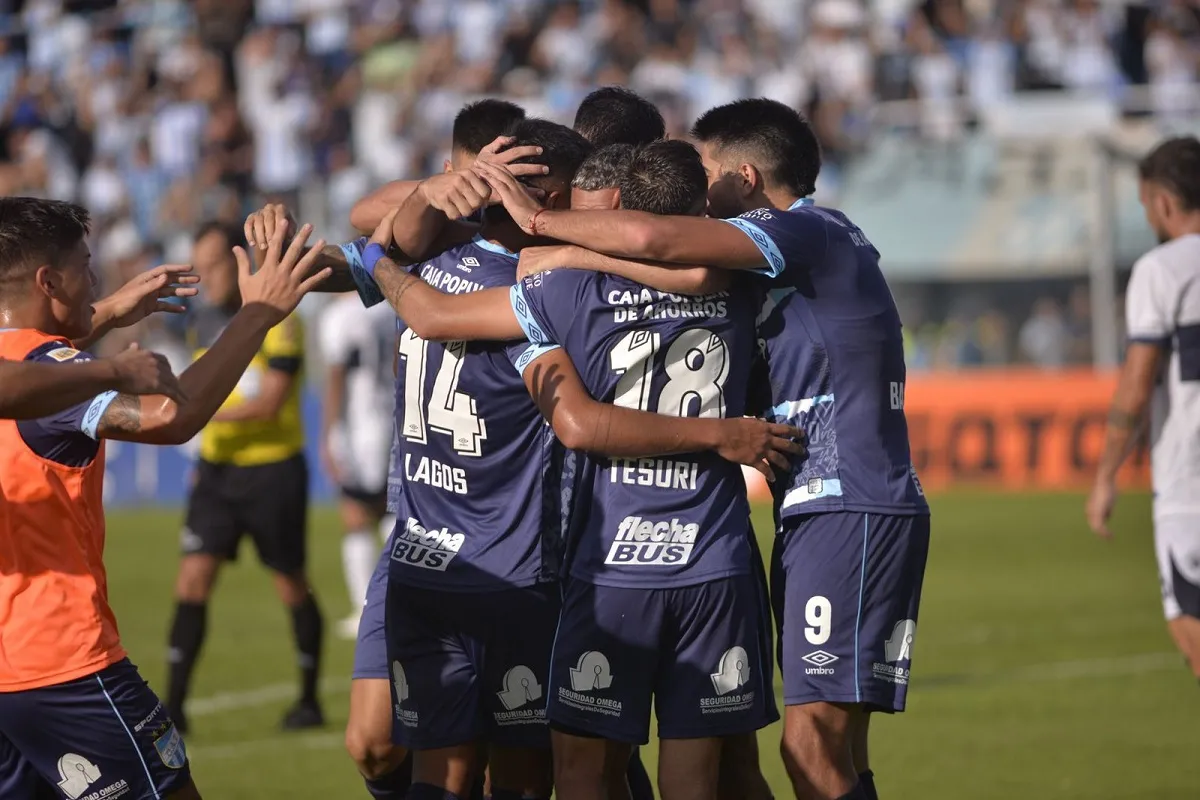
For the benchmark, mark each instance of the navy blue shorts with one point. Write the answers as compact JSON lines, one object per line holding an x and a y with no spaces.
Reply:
{"x":370,"y":651}
{"x":467,"y":667}
{"x":104,"y":736}
{"x":846,"y":587}
{"x":701,"y":652}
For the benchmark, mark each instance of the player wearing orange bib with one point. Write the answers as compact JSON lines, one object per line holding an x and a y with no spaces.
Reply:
{"x":73,"y":710}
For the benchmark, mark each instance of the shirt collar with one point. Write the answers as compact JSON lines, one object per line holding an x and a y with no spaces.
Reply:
{"x":803,"y":201}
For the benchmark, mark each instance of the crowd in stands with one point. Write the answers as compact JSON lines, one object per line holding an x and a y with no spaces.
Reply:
{"x":159,"y":114}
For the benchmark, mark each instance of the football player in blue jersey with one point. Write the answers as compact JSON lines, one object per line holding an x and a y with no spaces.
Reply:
{"x":706,"y":697}
{"x":445,"y":551}
{"x":853,"y":524}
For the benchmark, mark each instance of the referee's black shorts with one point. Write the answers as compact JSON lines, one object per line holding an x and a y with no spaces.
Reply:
{"x":268,"y":502}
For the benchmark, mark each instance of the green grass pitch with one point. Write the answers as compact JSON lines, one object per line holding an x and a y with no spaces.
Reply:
{"x":1043,"y":669}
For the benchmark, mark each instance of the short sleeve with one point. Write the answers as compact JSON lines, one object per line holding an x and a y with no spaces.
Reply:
{"x":783,"y":237}
{"x":284,"y":346}
{"x":364,"y":284}
{"x":546,"y":304}
{"x":525,"y":353}
{"x":80,"y":419}
{"x":1149,"y":312}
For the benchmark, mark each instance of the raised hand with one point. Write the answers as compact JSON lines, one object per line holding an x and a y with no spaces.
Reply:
{"x":500,"y":151}
{"x":766,"y":446}
{"x":143,"y":372}
{"x":260,"y":226}
{"x":511,"y":192}
{"x":280,"y":282}
{"x":456,"y":194}
{"x":383,"y":234}
{"x":147,"y":294}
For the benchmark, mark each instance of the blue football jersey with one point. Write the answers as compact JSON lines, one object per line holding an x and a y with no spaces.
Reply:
{"x":478,"y":472}
{"x":652,"y":522}
{"x":830,"y":332}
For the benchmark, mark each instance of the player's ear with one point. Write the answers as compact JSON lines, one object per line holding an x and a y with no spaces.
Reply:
{"x":615,"y":202}
{"x":557,"y":200}
{"x":751,"y":179}
{"x":447,"y":166}
{"x":47,"y":280}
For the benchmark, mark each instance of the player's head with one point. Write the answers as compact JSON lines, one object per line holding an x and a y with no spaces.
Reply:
{"x":614,"y":115}
{"x":754,"y":150}
{"x":1170,"y":187}
{"x":476,"y":125}
{"x":597,"y":181}
{"x":563,"y":150}
{"x":665,"y":177}
{"x":45,"y":265}
{"x":213,"y":261}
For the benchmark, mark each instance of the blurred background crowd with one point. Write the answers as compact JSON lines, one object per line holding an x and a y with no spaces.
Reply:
{"x":160,"y":114}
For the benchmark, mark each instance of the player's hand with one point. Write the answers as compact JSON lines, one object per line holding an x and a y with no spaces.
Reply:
{"x":766,"y":446}
{"x":280,"y":283}
{"x":148,"y":293}
{"x":1099,"y":508}
{"x":260,"y":227}
{"x":332,"y":468}
{"x":543,"y":259}
{"x":512,"y":193}
{"x":456,"y":194}
{"x":500,"y":151}
{"x":143,"y":372}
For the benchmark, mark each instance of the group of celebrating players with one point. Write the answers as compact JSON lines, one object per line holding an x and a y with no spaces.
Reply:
{"x":584,"y":361}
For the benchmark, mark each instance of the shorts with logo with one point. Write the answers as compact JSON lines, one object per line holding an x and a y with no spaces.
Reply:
{"x":268,"y":502}
{"x":104,"y":736}
{"x":846,"y":587}
{"x":470,"y":666}
{"x":370,"y":650}
{"x":1177,"y":545}
{"x":702,"y":653}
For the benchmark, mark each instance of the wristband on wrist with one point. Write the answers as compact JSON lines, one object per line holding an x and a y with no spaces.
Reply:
{"x":371,"y":255}
{"x":533,"y":221}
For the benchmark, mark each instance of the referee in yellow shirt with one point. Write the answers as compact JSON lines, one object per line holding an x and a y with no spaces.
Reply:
{"x":252,"y":479}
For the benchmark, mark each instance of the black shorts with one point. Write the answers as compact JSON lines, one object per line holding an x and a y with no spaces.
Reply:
{"x":374,"y":500}
{"x":268,"y":502}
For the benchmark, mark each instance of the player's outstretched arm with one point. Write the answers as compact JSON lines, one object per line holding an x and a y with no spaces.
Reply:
{"x":144,"y":295}
{"x":1126,"y":420}
{"x":583,"y":423}
{"x":673,"y":278}
{"x":629,"y":234}
{"x":31,"y":390}
{"x":433,"y":315}
{"x":268,"y":296}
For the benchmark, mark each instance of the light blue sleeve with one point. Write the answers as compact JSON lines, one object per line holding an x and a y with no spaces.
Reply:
{"x":368,"y":290}
{"x":534,"y":332}
{"x":532,"y":353}
{"x":90,"y":421}
{"x":766,"y":245}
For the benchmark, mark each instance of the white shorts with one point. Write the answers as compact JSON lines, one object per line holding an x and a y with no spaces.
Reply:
{"x":363,"y":455}
{"x":1177,"y":545}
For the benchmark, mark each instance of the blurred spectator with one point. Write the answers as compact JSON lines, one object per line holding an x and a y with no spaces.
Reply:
{"x":1045,"y":338}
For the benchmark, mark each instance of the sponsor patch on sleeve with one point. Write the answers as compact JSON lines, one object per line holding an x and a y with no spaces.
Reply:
{"x":63,"y":353}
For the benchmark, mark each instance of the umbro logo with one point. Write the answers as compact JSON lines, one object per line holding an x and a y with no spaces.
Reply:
{"x":819,"y":658}
{"x":468,"y":264}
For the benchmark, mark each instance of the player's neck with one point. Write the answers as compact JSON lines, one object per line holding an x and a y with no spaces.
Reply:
{"x":782,"y":199}
{"x":1187,"y":226}
{"x":27,"y":315}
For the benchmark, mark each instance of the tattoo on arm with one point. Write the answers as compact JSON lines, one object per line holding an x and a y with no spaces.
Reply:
{"x":124,"y":415}
{"x":393,"y":281}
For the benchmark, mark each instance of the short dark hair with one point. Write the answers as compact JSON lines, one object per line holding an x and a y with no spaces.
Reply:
{"x":1175,"y":166}
{"x":604,"y":168}
{"x":616,"y":115}
{"x":563,"y":150}
{"x":234,"y":235}
{"x":34,"y":232}
{"x":478,"y":123}
{"x":664,"y":177}
{"x":774,"y":137}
